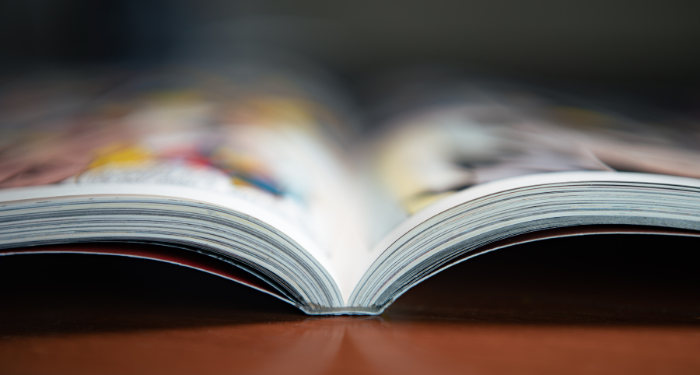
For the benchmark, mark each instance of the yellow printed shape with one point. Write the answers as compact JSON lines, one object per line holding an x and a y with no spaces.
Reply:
{"x":119,"y":155}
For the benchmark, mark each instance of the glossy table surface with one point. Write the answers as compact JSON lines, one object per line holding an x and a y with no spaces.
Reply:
{"x":610,"y":304}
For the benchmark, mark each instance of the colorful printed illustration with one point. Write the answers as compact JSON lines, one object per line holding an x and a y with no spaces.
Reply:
{"x":199,"y":162}
{"x":157,"y":132}
{"x":188,"y":129}
{"x":433,"y":154}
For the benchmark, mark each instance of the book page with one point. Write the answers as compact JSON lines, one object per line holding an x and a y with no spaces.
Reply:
{"x":480,"y":165}
{"x":479,"y":134}
{"x":256,"y":136}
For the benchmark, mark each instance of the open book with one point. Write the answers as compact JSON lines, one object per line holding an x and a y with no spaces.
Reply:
{"x":265,"y":178}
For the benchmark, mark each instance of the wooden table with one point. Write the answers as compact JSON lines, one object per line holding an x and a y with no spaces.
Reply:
{"x":614,"y":304}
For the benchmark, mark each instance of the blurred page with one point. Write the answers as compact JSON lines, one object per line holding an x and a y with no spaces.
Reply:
{"x":436,"y":140}
{"x":255,"y":134}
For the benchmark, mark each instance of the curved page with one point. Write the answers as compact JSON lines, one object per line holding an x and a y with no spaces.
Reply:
{"x":451,"y":171}
{"x":239,"y":160}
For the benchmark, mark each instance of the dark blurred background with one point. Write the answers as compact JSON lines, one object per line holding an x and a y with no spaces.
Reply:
{"x":632,"y":42}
